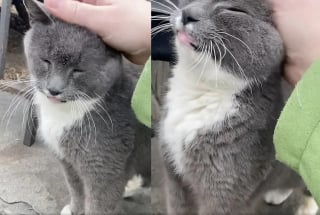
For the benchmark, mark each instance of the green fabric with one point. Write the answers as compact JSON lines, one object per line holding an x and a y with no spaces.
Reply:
{"x":297,"y":134}
{"x":141,"y":99}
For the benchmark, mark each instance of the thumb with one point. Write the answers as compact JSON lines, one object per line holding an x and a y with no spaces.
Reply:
{"x":292,"y":74}
{"x":278,"y":5}
{"x":73,"y":12}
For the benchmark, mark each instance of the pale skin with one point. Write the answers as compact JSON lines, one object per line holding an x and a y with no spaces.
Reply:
{"x":298,"y":24}
{"x":123,"y":24}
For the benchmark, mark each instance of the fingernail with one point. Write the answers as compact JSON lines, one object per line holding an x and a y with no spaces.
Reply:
{"x":52,"y":3}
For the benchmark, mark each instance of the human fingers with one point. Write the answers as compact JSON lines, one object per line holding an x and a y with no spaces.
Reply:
{"x":97,"y":2}
{"x":76,"y":12}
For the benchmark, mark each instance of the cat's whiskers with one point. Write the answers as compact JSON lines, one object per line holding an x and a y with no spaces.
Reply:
{"x":79,"y":108}
{"x":90,"y":120}
{"x":27,"y":108}
{"x":220,"y":40}
{"x":172,"y":4}
{"x":199,"y":58}
{"x":159,"y":10}
{"x":73,"y":110}
{"x":213,"y":46}
{"x":215,"y":63}
{"x":241,"y":41}
{"x":258,"y":82}
{"x":207,"y":53}
{"x":166,"y":8}
{"x":84,"y":107}
{"x":13,"y":101}
{"x":76,"y":108}
{"x":80,"y":123}
{"x":109,"y":116}
{"x":249,"y":82}
{"x":13,"y":110}
{"x":14,"y":104}
{"x":161,"y":28}
{"x":94,"y":125}
{"x":100,"y":105}
{"x":161,"y":17}
{"x":34,"y":116}
{"x":214,"y":36}
{"x":238,"y":64}
{"x":220,"y":56}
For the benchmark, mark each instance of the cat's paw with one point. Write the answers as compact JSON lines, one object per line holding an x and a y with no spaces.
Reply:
{"x":309,"y":207}
{"x":66,"y":210}
{"x":277,"y":197}
{"x":132,"y":186}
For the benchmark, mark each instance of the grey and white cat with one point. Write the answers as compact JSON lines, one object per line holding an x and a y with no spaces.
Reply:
{"x":221,"y":108}
{"x":83,"y":105}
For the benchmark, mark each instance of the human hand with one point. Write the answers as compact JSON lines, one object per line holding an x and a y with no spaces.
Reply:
{"x":124,"y":25}
{"x":299,"y":27}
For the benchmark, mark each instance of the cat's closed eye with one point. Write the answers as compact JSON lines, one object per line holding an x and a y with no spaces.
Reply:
{"x":234,"y":10}
{"x":77,"y":72}
{"x":45,"y":61}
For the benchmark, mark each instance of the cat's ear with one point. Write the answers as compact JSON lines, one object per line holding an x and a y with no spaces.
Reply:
{"x":37,"y":12}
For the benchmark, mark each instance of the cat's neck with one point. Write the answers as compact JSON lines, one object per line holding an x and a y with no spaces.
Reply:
{"x":206,"y":75}
{"x":56,"y":118}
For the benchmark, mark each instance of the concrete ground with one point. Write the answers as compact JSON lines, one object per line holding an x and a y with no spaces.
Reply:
{"x":28,"y":174}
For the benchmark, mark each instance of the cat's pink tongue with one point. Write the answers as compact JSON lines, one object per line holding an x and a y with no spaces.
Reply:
{"x":184,"y":38}
{"x":54,"y":99}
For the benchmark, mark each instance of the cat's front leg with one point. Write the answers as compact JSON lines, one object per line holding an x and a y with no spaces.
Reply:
{"x":223,"y":201}
{"x":222,"y":193}
{"x":104,"y":190}
{"x":76,"y":190}
{"x":178,"y":195}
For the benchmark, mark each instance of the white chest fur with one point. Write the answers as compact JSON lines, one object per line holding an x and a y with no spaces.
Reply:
{"x":56,"y":118}
{"x":195,"y":104}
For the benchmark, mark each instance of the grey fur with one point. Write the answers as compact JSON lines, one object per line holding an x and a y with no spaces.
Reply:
{"x":226,"y":169}
{"x":98,"y":160}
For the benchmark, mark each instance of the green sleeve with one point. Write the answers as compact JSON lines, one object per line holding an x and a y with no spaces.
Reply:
{"x":297,"y":134}
{"x":141,"y":99}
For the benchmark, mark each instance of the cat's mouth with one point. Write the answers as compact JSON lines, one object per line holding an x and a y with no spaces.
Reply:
{"x":56,"y":100}
{"x":185,"y":39}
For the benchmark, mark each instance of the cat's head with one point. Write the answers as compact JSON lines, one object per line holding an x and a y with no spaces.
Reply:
{"x":240,"y":33}
{"x":67,"y":62}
